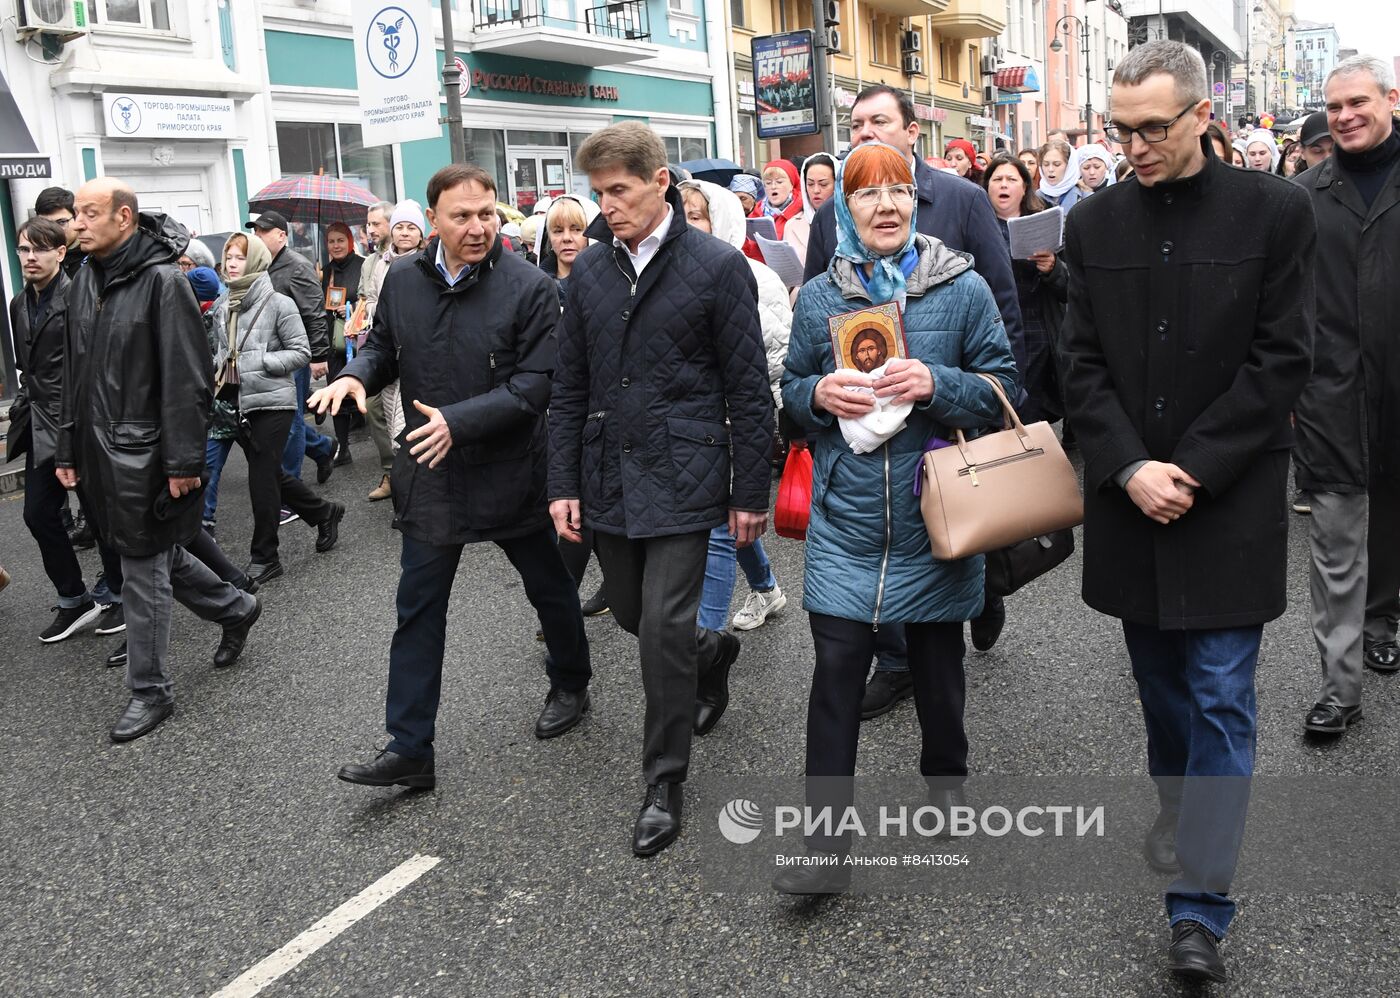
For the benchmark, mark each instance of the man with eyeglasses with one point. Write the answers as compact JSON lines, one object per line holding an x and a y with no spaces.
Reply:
{"x":1185,"y":347}
{"x":959,"y":214}
{"x":56,"y":204}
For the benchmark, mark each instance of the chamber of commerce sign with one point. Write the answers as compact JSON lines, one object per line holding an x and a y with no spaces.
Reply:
{"x":167,"y":116}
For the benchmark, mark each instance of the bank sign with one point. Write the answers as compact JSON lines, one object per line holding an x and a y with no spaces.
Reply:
{"x":167,"y":116}
{"x":785,"y":86}
{"x":396,"y":70}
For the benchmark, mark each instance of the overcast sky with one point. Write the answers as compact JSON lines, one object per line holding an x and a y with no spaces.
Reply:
{"x":1373,"y":26}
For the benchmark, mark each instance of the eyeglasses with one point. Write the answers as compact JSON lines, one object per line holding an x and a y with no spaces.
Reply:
{"x":35,"y":250}
{"x":869,"y":197}
{"x":1148,"y":133}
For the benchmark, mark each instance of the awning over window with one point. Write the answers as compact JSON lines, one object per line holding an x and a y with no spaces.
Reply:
{"x":19,"y":156}
{"x":1018,"y":80}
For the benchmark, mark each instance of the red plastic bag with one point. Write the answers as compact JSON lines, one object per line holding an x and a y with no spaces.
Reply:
{"x":794,"y":505}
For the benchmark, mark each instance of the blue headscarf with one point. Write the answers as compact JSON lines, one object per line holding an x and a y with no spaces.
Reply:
{"x":887,"y":280}
{"x":745,"y":183}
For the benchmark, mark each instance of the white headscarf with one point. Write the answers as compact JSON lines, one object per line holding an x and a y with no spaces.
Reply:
{"x":590,"y":212}
{"x":1267,"y":138}
{"x":1067,"y":182}
{"x":1098,"y":152}
{"x":816,"y":159}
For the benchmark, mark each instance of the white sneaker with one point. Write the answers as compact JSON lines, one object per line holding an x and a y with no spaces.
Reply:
{"x":757,"y":608}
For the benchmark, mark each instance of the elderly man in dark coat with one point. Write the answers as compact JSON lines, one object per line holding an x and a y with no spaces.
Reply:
{"x":1348,"y":453}
{"x":137,"y":387}
{"x":1186,"y":345}
{"x":660,"y":428}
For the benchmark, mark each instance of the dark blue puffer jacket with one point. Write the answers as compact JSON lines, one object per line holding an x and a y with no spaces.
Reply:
{"x":660,"y":418}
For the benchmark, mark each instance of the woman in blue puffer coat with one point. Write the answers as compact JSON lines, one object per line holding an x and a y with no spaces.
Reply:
{"x":867,"y":553}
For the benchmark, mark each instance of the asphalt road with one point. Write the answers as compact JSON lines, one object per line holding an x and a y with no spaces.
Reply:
{"x":172,"y":865}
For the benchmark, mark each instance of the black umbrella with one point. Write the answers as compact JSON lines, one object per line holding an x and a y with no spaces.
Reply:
{"x":716,"y":171}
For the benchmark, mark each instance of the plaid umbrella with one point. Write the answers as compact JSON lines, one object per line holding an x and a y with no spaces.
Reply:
{"x":320,"y":199}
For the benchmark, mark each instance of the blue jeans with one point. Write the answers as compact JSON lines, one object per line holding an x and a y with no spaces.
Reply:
{"x":1197,"y":692}
{"x":215,"y":457}
{"x":303,"y":439}
{"x":718,"y":591}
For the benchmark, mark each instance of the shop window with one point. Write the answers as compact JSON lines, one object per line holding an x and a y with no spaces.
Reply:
{"x":338,"y":150}
{"x":536,"y":138}
{"x":153,"y":14}
{"x":486,"y":147}
{"x":748,"y":140}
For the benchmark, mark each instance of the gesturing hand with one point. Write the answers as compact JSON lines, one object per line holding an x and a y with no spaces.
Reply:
{"x":333,"y":394}
{"x":831,"y":396}
{"x":434,"y":437}
{"x":905,"y":381}
{"x":1162,"y":491}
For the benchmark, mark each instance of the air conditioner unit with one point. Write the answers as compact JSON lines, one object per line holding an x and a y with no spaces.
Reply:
{"x":833,"y":40}
{"x":998,"y":52}
{"x":911,"y":41}
{"x":66,"y":19}
{"x":833,"y":13}
{"x":988,"y":65}
{"x":913,"y":65}
{"x":989,"y":94}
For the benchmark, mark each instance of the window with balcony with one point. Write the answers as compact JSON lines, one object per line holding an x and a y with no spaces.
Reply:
{"x":884,"y":41}
{"x":797,"y":14}
{"x":152,"y":14}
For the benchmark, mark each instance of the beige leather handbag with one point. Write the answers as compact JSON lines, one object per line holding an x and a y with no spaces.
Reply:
{"x":998,"y":489}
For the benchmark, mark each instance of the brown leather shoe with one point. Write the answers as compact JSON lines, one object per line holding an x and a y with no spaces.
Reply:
{"x":381,"y":491}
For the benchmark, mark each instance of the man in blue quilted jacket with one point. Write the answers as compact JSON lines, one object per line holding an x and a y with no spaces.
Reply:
{"x":660,"y":424}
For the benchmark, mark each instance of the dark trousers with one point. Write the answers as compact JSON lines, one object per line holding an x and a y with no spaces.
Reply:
{"x":204,"y":548}
{"x":44,"y":500}
{"x":269,"y":487}
{"x":111,"y":561}
{"x":576,"y":555}
{"x":843,"y":650}
{"x":654,"y":588}
{"x":1198,"y":702}
{"x":416,"y":652}
{"x":1382,"y":562}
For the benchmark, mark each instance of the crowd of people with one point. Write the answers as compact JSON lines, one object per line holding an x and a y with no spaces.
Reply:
{"x":614,"y":380}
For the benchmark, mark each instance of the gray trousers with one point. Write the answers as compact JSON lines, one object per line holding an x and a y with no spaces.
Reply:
{"x":379,"y":432}
{"x":1382,"y":562}
{"x":149,"y":587}
{"x":1337,"y":533}
{"x":654,"y":592}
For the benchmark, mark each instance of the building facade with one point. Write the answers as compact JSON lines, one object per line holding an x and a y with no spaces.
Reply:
{"x":1316,"y":52}
{"x":931,"y":49}
{"x":1216,"y":28}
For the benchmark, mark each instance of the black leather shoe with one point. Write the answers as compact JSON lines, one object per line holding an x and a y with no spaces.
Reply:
{"x":987,"y":625}
{"x":328,"y":530}
{"x":945,"y":798}
{"x":325,"y":467}
{"x":659,"y":822}
{"x":712,"y":692}
{"x":1194,"y":953}
{"x":261,"y":575}
{"x":884,"y":691}
{"x":826,"y":874}
{"x":1159,"y":845}
{"x":596,"y":605}
{"x":118,"y":657}
{"x":563,"y":710}
{"x":235,"y":636}
{"x":141,"y":718}
{"x":390,"y":768}
{"x":1383,"y":657}
{"x":1330,"y":719}
{"x":343,"y":456}
{"x":248,"y":584}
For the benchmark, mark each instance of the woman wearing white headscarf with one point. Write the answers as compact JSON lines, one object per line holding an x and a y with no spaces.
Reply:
{"x":1096,"y":169}
{"x":1059,"y":174}
{"x":1261,"y":151}
{"x":817,"y":187}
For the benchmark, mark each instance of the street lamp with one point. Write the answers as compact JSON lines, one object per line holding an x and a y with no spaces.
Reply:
{"x":1220,"y":57}
{"x":1061,"y":27}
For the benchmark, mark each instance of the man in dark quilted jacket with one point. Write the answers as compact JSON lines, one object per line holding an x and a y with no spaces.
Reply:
{"x":660,"y":424}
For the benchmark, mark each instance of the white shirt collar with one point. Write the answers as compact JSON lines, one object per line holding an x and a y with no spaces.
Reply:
{"x":647,"y":248}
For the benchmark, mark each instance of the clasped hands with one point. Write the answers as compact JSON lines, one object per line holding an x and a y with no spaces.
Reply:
{"x":904,"y":381}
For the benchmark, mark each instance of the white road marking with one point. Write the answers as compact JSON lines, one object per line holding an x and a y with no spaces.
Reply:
{"x":289,"y":956}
